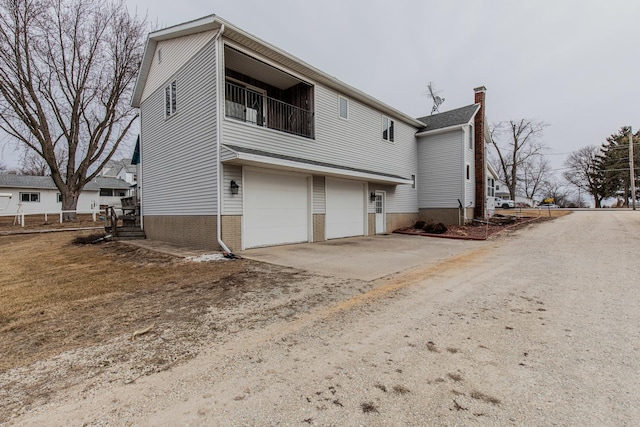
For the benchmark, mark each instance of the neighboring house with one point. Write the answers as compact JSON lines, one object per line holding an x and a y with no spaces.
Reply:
{"x":502,"y":191}
{"x":492,"y":178}
{"x":38,"y":194}
{"x":121,"y":169}
{"x":242,"y":145}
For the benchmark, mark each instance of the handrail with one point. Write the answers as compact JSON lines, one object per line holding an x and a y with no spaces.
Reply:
{"x":259,"y":109}
{"x":111,"y":218}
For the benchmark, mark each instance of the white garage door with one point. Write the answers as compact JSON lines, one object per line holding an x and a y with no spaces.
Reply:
{"x":276,"y":208}
{"x":345,"y":208}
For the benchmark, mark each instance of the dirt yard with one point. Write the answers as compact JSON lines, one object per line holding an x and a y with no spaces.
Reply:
{"x":95,"y":302}
{"x":524,"y":329}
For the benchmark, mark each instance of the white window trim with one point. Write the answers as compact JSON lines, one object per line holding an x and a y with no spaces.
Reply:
{"x":172,"y":97}
{"x":392,"y":124}
{"x":414,"y":177}
{"x":470,"y":138}
{"x":340,"y":99}
{"x":29,"y":193}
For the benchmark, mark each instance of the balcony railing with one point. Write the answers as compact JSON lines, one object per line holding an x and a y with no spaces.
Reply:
{"x":256,"y":108}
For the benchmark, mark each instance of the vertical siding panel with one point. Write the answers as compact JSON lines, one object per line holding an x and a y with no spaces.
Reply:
{"x":319,"y":197}
{"x":179,"y":153}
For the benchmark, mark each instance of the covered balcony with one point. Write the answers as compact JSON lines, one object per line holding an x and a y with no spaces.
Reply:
{"x":262,"y":95}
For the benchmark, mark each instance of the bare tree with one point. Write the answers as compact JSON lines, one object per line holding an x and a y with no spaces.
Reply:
{"x":536,"y":171}
{"x":556,"y":190}
{"x":585,"y":172}
{"x":67,"y":68}
{"x":521,"y":146}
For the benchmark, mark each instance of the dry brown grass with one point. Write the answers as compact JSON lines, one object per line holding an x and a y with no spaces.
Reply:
{"x":38,"y":222}
{"x":55,"y":295}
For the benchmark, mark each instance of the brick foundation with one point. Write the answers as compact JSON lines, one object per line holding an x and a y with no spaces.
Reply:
{"x":318,"y":228}
{"x":192,"y":231}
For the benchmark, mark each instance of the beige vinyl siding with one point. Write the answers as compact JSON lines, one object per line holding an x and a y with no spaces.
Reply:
{"x":356,"y":142}
{"x":319,"y":196}
{"x":179,"y":153}
{"x":232,"y":203}
{"x":439,"y":182}
{"x":175,"y":54}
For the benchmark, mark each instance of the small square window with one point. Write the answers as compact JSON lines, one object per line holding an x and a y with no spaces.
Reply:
{"x":468,"y":172}
{"x":343,"y":106}
{"x":388,"y":129}
{"x":413,"y":178}
{"x":59,"y":197}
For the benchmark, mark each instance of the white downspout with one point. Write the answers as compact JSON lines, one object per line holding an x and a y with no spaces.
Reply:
{"x":218,"y":139}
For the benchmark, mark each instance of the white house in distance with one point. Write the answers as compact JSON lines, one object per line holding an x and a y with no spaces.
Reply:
{"x":121,"y":169}
{"x":243,"y":145}
{"x":39,"y":195}
{"x":502,"y":191}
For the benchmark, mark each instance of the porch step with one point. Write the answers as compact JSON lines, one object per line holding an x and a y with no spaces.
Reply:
{"x":128,"y":233}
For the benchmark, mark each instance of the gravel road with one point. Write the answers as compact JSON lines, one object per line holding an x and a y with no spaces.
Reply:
{"x":537,"y":327}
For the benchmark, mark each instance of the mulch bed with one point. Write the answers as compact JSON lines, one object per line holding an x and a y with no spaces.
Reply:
{"x":471,"y":232}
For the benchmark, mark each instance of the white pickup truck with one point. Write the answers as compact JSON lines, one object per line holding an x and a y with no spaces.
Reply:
{"x":504,"y":203}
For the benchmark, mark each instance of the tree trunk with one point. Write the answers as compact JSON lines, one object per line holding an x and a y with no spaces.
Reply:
{"x":69,"y":203}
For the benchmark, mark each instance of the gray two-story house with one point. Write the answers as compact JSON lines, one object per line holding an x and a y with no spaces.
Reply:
{"x":243,"y":145}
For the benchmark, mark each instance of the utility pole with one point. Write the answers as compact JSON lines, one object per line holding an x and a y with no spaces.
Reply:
{"x":631,"y":170}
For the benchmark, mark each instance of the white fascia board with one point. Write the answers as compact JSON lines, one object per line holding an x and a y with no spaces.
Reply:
{"x":275,"y":163}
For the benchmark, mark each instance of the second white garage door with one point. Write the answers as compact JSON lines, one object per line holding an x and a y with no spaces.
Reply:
{"x":276,"y":208}
{"x":344,"y":208}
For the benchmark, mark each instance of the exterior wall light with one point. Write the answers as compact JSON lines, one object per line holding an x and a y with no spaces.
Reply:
{"x":372,"y":196}
{"x":234,"y":187}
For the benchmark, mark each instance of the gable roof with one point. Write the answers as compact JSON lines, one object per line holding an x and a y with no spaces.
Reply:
{"x":458,"y":117}
{"x":46,"y":182}
{"x":231,"y":32}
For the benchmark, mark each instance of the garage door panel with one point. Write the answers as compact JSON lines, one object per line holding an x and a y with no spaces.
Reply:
{"x":276,"y":208}
{"x":344,"y":208}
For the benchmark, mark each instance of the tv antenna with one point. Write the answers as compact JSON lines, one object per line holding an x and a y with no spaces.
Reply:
{"x":437,"y":100}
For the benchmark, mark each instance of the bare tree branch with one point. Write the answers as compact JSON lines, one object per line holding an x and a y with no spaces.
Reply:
{"x":521,"y":146}
{"x":67,"y":69}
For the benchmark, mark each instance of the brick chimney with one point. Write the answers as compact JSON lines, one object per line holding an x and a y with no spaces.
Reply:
{"x":479,"y":155}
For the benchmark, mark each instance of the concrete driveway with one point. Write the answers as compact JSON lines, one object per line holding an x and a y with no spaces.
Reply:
{"x":363,"y":258}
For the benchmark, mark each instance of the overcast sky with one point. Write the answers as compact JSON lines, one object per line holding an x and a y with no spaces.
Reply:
{"x":572,"y":64}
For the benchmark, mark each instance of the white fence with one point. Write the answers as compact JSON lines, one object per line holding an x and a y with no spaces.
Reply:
{"x":19,"y":217}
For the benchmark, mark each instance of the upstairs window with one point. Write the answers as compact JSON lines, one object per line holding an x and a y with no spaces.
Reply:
{"x":170,"y":103}
{"x":470,"y":137}
{"x":387,"y":129}
{"x":343,"y":107}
